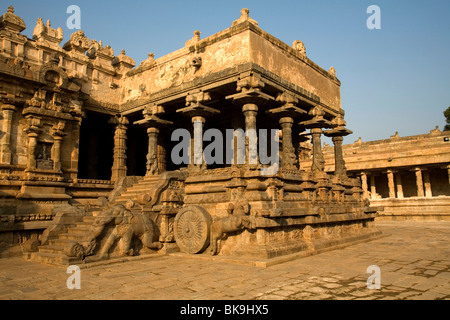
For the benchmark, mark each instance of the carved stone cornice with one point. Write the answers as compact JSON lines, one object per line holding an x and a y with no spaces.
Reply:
{"x":249,"y":87}
{"x":318,"y":120}
{"x":339,"y":128}
{"x":151,"y":117}
{"x":34,"y":125}
{"x":196,"y":105}
{"x":288,"y":107}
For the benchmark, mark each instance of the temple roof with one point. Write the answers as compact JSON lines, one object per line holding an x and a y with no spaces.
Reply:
{"x":222,"y":57}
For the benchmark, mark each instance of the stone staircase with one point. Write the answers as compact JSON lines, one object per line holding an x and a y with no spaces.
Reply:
{"x":53,"y":252}
{"x":144,"y":186}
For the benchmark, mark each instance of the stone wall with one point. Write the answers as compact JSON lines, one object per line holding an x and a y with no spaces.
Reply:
{"x":409,"y":176}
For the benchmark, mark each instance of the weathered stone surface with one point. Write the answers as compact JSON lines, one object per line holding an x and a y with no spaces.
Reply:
{"x":408,"y":176}
{"x":77,"y":121}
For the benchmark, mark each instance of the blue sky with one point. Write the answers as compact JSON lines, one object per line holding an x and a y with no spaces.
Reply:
{"x":393,"y":79}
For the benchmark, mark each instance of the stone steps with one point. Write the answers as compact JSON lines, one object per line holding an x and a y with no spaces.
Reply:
{"x":53,"y":252}
{"x":53,"y":258}
{"x":143,"y":186}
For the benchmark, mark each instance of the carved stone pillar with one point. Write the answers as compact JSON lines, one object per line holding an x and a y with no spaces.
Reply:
{"x":197,"y":109}
{"x":448,"y":173}
{"x":391,"y":184}
{"x":250,"y":97}
{"x":338,"y":134}
{"x":5,"y":142}
{"x":250,"y":111}
{"x":153,"y":124}
{"x":340,"y":169}
{"x":152,"y":154}
{"x":286,"y":113}
{"x":75,"y":154}
{"x":197,"y":141}
{"x":373,"y":188}
{"x":427,"y":184}
{"x":316,"y":124}
{"x":288,"y":158}
{"x":419,"y":182}
{"x":364,"y":185}
{"x":57,"y":153}
{"x":58,"y":136}
{"x":32,"y":132}
{"x":119,"y":168}
{"x":398,"y":179}
{"x":318,"y":164}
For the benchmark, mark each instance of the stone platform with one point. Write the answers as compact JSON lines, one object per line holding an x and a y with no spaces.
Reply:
{"x":414,"y":261}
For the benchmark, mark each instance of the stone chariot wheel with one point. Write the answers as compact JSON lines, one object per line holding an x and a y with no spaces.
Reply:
{"x":192,"y":227}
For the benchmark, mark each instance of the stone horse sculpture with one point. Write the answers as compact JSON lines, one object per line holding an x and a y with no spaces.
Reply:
{"x":236,"y":220}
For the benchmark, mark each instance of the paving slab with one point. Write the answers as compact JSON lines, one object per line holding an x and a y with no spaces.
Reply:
{"x":412,"y":263}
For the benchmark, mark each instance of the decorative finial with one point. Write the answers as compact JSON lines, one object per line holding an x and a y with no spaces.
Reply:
{"x":10,"y":9}
{"x":244,"y":17}
{"x":245,"y":12}
{"x":122,"y":52}
{"x":299,"y":46}
{"x":332,"y":71}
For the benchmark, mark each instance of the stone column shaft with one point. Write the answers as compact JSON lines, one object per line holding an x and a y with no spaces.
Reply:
{"x":32,"y":143}
{"x":119,"y":168}
{"x":197,"y":149}
{"x":75,"y":154}
{"x":152,"y":154}
{"x":373,"y":188}
{"x":288,"y":151}
{"x":419,"y":182}
{"x":364,"y":184}
{"x":427,"y":184}
{"x":5,"y":142}
{"x":338,"y":156}
{"x":318,"y":164}
{"x":57,"y":153}
{"x":391,"y":184}
{"x":448,"y":172}
{"x":250,"y":111}
{"x":398,"y":179}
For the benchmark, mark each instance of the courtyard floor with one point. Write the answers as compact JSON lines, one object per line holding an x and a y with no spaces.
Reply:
{"x":413,"y":258}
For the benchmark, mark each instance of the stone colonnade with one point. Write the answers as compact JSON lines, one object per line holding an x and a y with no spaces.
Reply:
{"x":250,"y":99}
{"x":395,"y":184}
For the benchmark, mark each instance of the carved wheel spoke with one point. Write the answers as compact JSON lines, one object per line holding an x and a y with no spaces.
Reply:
{"x":191,"y":229}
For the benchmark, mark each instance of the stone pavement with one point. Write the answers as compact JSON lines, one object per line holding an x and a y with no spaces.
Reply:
{"x":414,"y":260}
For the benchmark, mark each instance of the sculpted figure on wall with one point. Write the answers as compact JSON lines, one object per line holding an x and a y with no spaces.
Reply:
{"x":127,"y":225}
{"x":236,"y":220}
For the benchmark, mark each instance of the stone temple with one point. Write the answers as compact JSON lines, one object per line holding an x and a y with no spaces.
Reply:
{"x":87,"y":170}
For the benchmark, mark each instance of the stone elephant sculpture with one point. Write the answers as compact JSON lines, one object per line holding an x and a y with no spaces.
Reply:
{"x":127,"y":225}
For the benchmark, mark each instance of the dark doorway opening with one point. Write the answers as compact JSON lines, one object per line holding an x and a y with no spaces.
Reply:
{"x":96,"y":147}
{"x":137,"y":148}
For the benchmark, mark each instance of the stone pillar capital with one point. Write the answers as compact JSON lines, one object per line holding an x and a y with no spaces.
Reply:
{"x":152,"y":130}
{"x":287,"y":121}
{"x":198,"y":119}
{"x":337,"y":139}
{"x":249,"y":108}
{"x":7,"y":106}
